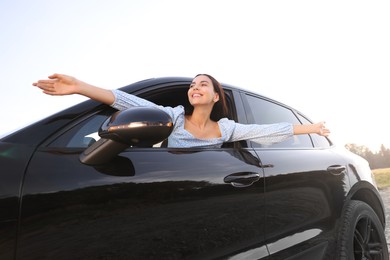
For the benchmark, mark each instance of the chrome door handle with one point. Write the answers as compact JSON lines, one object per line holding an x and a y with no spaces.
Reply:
{"x":242,"y":179}
{"x":336,"y":169}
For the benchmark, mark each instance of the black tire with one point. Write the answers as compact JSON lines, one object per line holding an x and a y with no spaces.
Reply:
{"x":361,"y":235}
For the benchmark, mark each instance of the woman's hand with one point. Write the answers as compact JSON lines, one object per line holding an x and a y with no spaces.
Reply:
{"x":318,"y":128}
{"x":322,"y":129}
{"x":59,"y":84}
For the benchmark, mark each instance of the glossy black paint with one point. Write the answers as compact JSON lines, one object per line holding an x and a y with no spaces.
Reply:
{"x":235,"y":202}
{"x":13,"y":160}
{"x":162,"y":208}
{"x":304,"y":199}
{"x":137,"y":126}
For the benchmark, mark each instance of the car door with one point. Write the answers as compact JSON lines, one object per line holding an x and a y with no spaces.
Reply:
{"x":304,"y":182}
{"x":152,"y":203}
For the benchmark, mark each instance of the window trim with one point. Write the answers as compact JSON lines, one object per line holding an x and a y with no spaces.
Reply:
{"x":250,"y":119}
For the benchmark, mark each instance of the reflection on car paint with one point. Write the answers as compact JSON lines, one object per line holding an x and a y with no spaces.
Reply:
{"x":297,"y":238}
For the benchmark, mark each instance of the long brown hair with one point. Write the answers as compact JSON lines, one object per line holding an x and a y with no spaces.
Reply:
{"x":220,"y":107}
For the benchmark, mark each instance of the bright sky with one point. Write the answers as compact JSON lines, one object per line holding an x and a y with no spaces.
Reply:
{"x":329,"y":59}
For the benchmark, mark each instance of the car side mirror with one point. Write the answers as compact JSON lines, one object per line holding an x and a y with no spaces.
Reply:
{"x":136,"y":126}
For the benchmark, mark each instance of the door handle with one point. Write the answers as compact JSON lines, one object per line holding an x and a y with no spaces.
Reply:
{"x":336,"y":169}
{"x":242,"y":179}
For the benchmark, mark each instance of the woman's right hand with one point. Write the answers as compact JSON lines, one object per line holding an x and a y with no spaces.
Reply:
{"x":59,"y":84}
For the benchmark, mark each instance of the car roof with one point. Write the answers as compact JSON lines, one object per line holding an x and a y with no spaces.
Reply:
{"x":140,"y":85}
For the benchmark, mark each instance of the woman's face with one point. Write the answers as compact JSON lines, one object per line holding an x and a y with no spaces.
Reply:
{"x":202,"y":92}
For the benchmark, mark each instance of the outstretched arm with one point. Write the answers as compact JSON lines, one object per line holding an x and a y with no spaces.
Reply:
{"x":318,"y":128}
{"x":59,"y":84}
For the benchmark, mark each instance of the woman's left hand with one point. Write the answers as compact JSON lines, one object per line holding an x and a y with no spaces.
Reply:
{"x":322,"y":129}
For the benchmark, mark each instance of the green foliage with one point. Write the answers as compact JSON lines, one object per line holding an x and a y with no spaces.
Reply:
{"x":380,"y":159}
{"x":382,"y":177}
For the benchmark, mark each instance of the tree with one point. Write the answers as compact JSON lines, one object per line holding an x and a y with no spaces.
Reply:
{"x":360,"y":150}
{"x":380,"y":159}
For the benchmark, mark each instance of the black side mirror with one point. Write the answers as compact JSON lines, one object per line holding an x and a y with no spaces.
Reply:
{"x":136,"y":126}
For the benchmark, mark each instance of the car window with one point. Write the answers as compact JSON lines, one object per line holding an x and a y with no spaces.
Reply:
{"x":84,"y":133}
{"x":262,"y":111}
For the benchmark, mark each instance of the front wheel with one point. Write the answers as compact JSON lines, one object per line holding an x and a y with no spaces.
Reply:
{"x":362,"y":235}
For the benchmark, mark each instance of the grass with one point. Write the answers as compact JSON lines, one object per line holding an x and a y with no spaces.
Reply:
{"x":382,"y":177}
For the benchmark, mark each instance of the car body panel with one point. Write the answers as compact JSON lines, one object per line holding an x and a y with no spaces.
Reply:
{"x":165,"y":203}
{"x":303,"y":199}
{"x":14,"y":159}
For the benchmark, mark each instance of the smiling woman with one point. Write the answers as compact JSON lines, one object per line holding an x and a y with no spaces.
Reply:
{"x":208,"y":105}
{"x":205,"y":126}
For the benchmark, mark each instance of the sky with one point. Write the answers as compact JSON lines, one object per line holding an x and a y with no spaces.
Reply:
{"x":328,"y":59}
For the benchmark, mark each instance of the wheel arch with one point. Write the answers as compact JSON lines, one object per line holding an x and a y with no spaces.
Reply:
{"x":366,"y":192}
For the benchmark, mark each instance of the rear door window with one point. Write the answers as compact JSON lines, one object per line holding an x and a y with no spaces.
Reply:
{"x":261,"y":111}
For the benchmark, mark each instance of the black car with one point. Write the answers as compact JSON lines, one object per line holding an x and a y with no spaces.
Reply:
{"x":66,"y":193}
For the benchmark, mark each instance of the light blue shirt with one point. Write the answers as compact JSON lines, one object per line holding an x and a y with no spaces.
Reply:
{"x":230,"y":130}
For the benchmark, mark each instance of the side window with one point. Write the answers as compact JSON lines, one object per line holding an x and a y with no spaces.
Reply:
{"x":265,"y":112}
{"x":319,"y":141}
{"x":84,"y":133}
